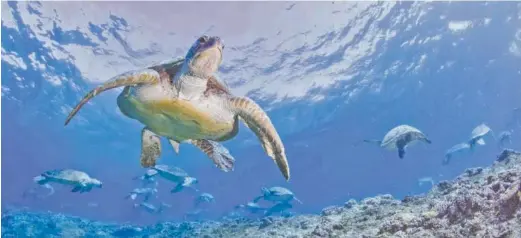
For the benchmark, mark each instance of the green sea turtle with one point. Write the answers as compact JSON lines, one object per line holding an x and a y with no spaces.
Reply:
{"x":173,"y":174}
{"x":400,"y":138}
{"x":456,"y":150}
{"x":251,"y":207}
{"x":151,"y":208}
{"x":477,"y":135}
{"x":277,"y":194}
{"x":145,"y":192}
{"x":278,"y":208}
{"x":80,"y":181}
{"x":504,"y":137}
{"x":183,"y":101}
{"x":204,"y":198}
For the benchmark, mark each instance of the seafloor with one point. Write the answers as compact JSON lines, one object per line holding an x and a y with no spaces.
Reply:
{"x":479,"y":203}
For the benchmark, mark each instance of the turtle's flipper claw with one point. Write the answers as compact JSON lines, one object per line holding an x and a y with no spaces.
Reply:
{"x":217,"y":153}
{"x":150,"y":148}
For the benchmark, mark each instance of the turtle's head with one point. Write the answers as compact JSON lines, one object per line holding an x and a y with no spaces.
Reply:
{"x":205,"y":56}
{"x":191,"y":181}
{"x":96,"y":183}
{"x":265,"y":191}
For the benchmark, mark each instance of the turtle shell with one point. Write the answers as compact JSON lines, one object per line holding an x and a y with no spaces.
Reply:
{"x":458,"y":149}
{"x":479,"y":131}
{"x":395,"y":134}
{"x":279,"y":191}
{"x":67,"y":175}
{"x":176,"y":171}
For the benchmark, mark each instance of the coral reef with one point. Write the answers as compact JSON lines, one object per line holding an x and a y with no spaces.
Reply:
{"x":482,"y":202}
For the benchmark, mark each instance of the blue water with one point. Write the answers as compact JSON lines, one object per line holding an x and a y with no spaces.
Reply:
{"x":468,"y":77}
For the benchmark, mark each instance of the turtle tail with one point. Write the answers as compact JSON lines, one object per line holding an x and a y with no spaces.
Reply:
{"x":127,"y":79}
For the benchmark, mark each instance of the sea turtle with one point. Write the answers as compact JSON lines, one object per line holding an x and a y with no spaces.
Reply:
{"x":151,"y":208}
{"x":277,"y":194}
{"x":504,"y":137}
{"x":477,"y":135}
{"x":80,"y":181}
{"x":204,"y":198}
{"x":425,"y":180}
{"x":400,"y":138}
{"x":278,"y":208}
{"x":173,"y":174}
{"x":183,"y":101}
{"x":251,"y":207}
{"x":458,"y":149}
{"x":145,"y":192}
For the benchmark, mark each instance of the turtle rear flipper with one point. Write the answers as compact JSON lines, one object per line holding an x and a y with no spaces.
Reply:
{"x":258,"y":121}
{"x":177,"y":188}
{"x":85,"y":189}
{"x":217,"y":153}
{"x":257,"y":199}
{"x":481,"y":141}
{"x":150,"y":148}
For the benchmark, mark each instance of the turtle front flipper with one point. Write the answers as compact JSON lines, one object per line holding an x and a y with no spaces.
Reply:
{"x":76,"y":188}
{"x":258,"y":121}
{"x":147,"y":76}
{"x":217,"y":153}
{"x":257,"y":199}
{"x":150,"y":148}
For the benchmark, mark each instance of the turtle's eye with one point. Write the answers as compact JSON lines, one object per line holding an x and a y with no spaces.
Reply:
{"x":203,"y":39}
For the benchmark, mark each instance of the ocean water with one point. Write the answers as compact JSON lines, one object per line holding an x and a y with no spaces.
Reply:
{"x":329,"y":75}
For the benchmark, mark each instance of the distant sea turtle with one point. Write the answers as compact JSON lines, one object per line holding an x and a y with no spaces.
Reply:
{"x":80,"y":181}
{"x":400,"y":138}
{"x":173,"y":174}
{"x":251,"y":207}
{"x":477,"y":135}
{"x":456,"y":150}
{"x":204,"y":198}
{"x":277,"y":194}
{"x":145,"y":192}
{"x":151,"y":208}
{"x":183,"y":101}
{"x":425,"y":180}
{"x":278,"y":208}
{"x":504,"y":137}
